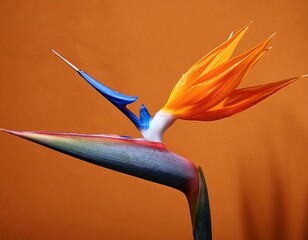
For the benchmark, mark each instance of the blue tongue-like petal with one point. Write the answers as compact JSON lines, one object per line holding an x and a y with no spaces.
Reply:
{"x":118,"y":99}
{"x":108,"y":93}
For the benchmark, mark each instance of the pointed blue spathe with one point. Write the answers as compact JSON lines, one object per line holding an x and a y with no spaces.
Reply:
{"x":117,"y":99}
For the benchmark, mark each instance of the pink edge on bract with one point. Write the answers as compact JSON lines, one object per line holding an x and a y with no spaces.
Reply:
{"x":30,"y":135}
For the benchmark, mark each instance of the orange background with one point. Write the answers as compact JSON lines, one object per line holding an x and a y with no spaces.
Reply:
{"x":255,"y":162}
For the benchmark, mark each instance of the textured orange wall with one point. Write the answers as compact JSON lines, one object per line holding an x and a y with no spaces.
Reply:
{"x":255,"y":163}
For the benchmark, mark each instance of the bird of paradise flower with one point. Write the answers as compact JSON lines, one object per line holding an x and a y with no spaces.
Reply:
{"x":207,"y":91}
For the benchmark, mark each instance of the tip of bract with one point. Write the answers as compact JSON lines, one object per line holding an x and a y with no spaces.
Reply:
{"x":5,"y":130}
{"x":22,"y":134}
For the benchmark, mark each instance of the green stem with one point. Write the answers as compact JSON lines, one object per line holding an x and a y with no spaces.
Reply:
{"x":200,"y":210}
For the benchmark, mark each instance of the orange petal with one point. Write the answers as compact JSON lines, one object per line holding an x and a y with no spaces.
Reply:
{"x":224,"y":51}
{"x":207,"y":91}
{"x":217,"y":56}
{"x":244,"y":98}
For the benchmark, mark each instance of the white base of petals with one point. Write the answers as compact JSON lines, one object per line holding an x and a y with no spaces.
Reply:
{"x":159,"y":124}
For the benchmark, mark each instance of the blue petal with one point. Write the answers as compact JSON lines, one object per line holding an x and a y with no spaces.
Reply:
{"x":145,"y":117}
{"x":111,"y":95}
{"x":120,"y":101}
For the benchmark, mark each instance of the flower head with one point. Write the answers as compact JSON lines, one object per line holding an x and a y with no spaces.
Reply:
{"x":207,"y":91}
